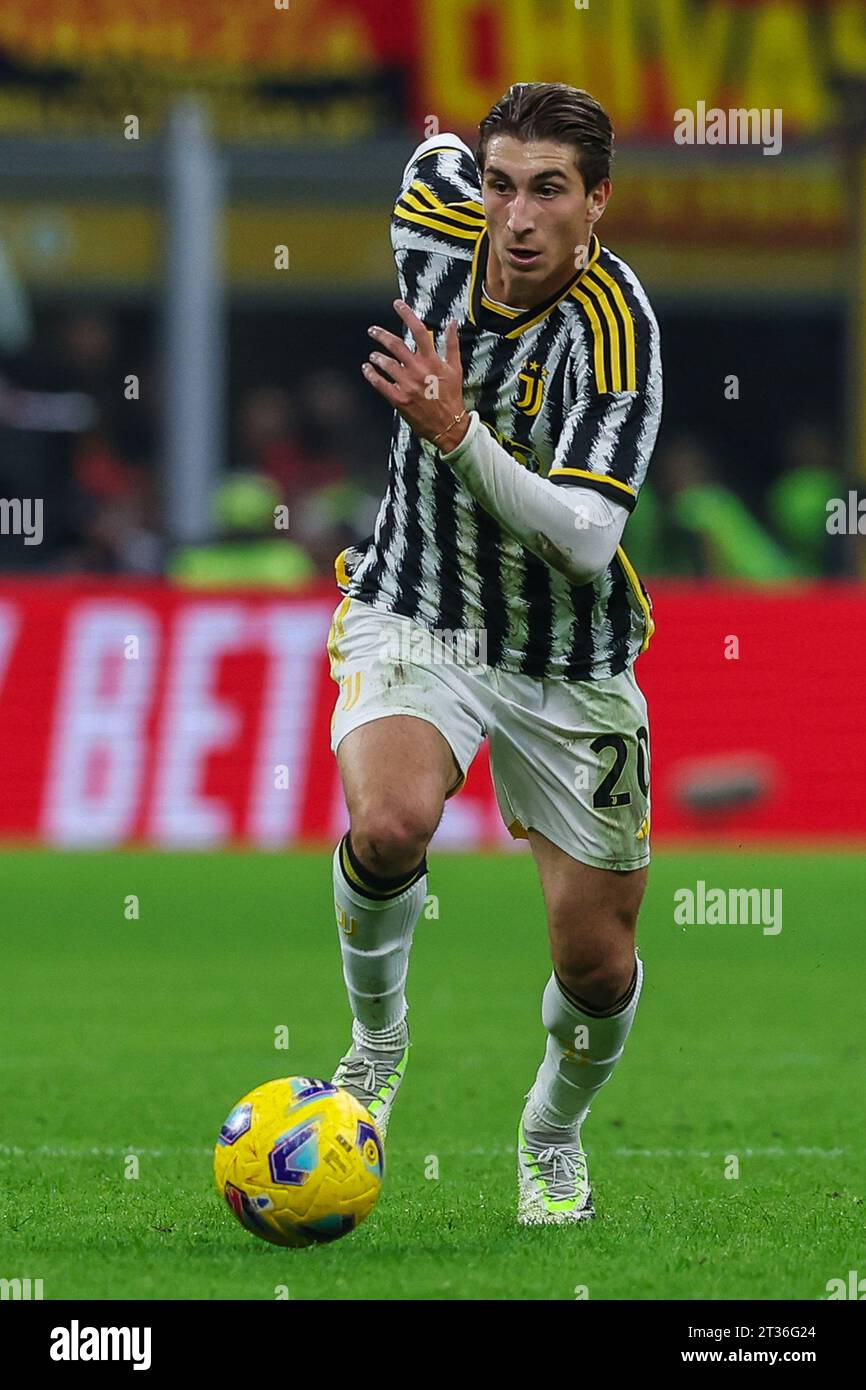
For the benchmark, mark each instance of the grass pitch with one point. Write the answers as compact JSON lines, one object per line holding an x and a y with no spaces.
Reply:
{"x":124,"y":1038}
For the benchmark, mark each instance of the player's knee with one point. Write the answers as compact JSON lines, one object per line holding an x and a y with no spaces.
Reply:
{"x":599,"y":978}
{"x":393,"y":840}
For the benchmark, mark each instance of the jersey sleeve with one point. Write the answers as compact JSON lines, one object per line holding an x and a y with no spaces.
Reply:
{"x":609,"y":434}
{"x":439,"y":208}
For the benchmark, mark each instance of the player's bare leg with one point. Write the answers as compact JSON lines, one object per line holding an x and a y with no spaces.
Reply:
{"x":588,"y":1008}
{"x":396,"y":773}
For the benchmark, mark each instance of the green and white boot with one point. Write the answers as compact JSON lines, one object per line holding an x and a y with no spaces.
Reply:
{"x":373,"y":1076}
{"x":552,"y":1178}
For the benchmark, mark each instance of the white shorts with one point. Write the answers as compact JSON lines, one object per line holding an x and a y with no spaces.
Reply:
{"x":569,"y":758}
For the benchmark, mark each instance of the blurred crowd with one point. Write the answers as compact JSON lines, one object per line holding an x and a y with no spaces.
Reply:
{"x":306,"y":469}
{"x":305,"y":472}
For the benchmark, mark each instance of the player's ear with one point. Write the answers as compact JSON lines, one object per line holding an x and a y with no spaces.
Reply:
{"x":598,"y":200}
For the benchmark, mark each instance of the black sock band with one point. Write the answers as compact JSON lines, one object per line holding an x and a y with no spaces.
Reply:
{"x":370,"y":885}
{"x":615,"y":1008}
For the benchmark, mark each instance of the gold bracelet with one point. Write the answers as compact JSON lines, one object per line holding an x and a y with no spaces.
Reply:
{"x":455,"y":421}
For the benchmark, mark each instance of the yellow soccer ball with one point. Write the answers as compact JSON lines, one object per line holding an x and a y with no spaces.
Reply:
{"x":299,"y":1161}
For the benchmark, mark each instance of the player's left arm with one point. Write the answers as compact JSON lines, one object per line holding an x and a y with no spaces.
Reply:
{"x":575,"y":528}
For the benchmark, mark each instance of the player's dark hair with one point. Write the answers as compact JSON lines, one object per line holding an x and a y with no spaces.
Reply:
{"x":553,"y":111}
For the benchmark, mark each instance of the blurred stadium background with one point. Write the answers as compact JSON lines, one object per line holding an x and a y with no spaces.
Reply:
{"x":193,"y":238}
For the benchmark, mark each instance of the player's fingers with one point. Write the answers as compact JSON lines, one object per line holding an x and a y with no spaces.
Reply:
{"x":392,"y":369}
{"x":392,"y":343}
{"x":422,"y":335}
{"x":452,"y":346}
{"x":393,"y":394}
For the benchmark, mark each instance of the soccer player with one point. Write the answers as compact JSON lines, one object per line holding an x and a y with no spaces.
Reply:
{"x":494,"y":599}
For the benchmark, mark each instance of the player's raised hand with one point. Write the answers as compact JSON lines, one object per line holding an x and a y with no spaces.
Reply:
{"x":426,"y":389}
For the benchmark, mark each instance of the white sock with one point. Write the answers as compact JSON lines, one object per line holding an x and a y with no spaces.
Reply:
{"x":582,"y":1051}
{"x":375,"y":1042}
{"x":376,"y":924}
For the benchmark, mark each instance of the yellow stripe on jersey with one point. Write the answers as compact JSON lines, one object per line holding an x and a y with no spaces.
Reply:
{"x":628,"y":324}
{"x":414,"y":197}
{"x":603,"y":298}
{"x":585,"y":473}
{"x":516,"y":332}
{"x":435,"y":204}
{"x":608,"y":313}
{"x":470,"y":203}
{"x":500,"y":308}
{"x":598,"y":338}
{"x":474,"y":276}
{"x":631,"y":575}
{"x":436,"y":223}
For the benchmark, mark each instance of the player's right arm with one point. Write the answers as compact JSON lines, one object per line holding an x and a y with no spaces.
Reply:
{"x":435,"y":227}
{"x":438,"y":210}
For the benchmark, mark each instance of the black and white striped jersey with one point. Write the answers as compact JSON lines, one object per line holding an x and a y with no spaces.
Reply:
{"x":571,"y":388}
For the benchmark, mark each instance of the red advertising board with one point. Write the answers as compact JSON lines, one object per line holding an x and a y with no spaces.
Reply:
{"x":140,"y":713}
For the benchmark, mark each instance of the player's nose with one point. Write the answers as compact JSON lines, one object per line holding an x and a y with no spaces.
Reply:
{"x":519,"y":216}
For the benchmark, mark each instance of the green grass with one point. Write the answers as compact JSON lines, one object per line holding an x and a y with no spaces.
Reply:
{"x":126,"y":1037}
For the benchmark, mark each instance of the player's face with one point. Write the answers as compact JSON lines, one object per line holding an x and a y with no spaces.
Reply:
{"x":538,"y":212}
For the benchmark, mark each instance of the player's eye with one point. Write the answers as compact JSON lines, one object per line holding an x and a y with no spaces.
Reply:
{"x":549,"y":190}
{"x":498,"y":185}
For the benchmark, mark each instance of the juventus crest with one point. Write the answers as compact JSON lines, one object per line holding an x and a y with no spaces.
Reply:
{"x":532,"y":379}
